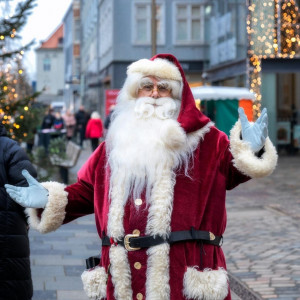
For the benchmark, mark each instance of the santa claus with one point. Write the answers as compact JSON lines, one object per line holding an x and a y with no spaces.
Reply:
{"x":157,"y":186}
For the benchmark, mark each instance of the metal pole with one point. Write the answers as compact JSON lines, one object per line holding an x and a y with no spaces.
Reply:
{"x":153,"y":27}
{"x":279,"y":27}
{"x":248,"y":47}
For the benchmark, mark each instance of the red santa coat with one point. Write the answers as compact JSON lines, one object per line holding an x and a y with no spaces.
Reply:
{"x":186,"y":270}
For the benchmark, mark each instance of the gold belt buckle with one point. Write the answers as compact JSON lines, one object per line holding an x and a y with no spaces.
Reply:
{"x":211,"y":236}
{"x":127,"y":242}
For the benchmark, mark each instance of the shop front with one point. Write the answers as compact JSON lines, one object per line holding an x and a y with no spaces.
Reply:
{"x":281,"y":95}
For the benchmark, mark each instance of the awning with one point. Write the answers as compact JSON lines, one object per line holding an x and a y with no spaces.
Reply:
{"x":221,"y":93}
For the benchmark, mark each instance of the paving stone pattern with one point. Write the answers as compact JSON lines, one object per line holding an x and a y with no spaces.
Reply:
{"x":262,"y":239}
{"x":261,"y":242}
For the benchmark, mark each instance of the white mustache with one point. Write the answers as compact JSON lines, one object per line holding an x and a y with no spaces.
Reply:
{"x":163,"y":108}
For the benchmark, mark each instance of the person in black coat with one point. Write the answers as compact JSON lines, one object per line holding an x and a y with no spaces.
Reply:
{"x":108,"y":117}
{"x":82,"y":118}
{"x":48,"y":123}
{"x":15,"y":272}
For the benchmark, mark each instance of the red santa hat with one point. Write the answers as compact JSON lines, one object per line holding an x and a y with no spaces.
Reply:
{"x":166,"y":66}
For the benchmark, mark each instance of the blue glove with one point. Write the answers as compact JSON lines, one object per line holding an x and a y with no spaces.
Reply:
{"x":254,"y":133}
{"x":34,"y":196}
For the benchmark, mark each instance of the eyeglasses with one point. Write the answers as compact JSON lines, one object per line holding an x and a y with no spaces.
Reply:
{"x":161,"y":89}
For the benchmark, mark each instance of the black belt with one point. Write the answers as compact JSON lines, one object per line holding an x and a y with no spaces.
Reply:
{"x":134,"y":242}
{"x":92,"y":261}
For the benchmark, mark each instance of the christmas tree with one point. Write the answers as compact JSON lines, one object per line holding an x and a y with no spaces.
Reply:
{"x":18,"y":110}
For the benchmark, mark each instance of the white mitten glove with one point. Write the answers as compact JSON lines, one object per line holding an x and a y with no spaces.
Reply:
{"x":254,"y":133}
{"x":34,"y":196}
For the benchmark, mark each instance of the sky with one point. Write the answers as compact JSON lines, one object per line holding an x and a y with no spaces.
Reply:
{"x":45,"y":18}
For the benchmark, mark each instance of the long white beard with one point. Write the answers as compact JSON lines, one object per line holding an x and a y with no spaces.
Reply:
{"x":141,"y":142}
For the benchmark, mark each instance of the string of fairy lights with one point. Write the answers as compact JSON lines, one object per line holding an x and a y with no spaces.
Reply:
{"x":273,"y":32}
{"x":10,"y":72}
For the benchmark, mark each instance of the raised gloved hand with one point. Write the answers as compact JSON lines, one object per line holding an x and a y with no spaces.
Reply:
{"x":34,"y":196}
{"x":254,"y":133}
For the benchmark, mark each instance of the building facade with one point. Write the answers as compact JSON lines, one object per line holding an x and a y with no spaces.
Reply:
{"x":72,"y":67}
{"x":120,"y":33}
{"x":50,"y":68}
{"x":253,"y":44}
{"x":256,"y":44}
{"x":89,"y":54}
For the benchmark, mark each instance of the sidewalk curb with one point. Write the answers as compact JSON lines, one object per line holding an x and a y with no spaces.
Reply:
{"x":240,"y":289}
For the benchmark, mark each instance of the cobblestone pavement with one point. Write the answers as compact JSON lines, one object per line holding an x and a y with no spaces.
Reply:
{"x":262,"y":239}
{"x":261,"y":242}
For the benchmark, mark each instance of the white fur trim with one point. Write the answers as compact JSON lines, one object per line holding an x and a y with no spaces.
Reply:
{"x":195,"y":137}
{"x":206,"y":285}
{"x":160,"y":210}
{"x":245,"y":160}
{"x":159,"y":220}
{"x":120,"y":269}
{"x":174,"y":137}
{"x":115,"y":227}
{"x":94,"y":282}
{"x":157,"y":284}
{"x":54,"y":212}
{"x":120,"y":272}
{"x":159,"y":67}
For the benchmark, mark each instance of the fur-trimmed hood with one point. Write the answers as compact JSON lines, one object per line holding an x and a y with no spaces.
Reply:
{"x":190,"y":118}
{"x":166,"y":66}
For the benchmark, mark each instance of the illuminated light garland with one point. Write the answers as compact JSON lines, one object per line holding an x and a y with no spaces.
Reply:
{"x":273,"y":32}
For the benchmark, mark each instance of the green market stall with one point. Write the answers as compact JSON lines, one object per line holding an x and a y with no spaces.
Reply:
{"x":221,"y":104}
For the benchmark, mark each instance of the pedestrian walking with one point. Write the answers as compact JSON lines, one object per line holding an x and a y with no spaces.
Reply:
{"x":157,"y":186}
{"x":70,"y":124}
{"x":48,"y":120}
{"x":82,"y":118}
{"x":15,"y":273}
{"x":47,"y":125}
{"x":58,"y":123}
{"x":108,"y":117}
{"x":94,"y":130}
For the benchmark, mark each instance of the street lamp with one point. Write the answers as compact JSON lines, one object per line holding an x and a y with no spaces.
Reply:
{"x":153,"y":27}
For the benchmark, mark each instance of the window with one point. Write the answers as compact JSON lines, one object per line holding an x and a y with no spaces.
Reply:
{"x":189,"y":23}
{"x":77,"y":68}
{"x":106,"y":29}
{"x":142,"y":24}
{"x":47,"y":64}
{"x":77,"y":30}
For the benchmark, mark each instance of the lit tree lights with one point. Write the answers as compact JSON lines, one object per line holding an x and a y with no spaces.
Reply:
{"x":273,"y":32}
{"x":16,"y":111}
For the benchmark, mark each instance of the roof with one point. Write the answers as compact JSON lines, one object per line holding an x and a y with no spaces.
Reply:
{"x":221,"y":93}
{"x":54,"y":40}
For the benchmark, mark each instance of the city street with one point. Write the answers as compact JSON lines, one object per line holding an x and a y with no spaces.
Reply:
{"x":262,"y":239}
{"x":261,"y":242}
{"x":156,"y":73}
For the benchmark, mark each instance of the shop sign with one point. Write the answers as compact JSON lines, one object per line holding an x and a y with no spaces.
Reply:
{"x":110,"y":99}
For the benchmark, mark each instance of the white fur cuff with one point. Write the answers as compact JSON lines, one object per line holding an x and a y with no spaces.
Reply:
{"x":94,"y":282}
{"x":205,"y":285}
{"x":245,"y":160}
{"x":54,"y":212}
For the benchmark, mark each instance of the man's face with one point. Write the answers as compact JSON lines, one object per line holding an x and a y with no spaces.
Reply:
{"x":151,"y":87}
